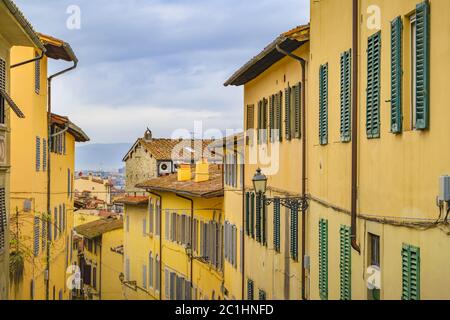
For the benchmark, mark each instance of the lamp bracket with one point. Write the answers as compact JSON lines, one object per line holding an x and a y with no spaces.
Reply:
{"x":293,"y":203}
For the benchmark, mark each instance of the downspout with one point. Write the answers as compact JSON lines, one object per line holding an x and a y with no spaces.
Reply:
{"x":243,"y":224}
{"x":100,"y":275}
{"x":303,"y":121}
{"x":160,"y":241}
{"x":41,"y":55}
{"x":49,"y":128}
{"x":354,"y":191}
{"x":192,"y":233}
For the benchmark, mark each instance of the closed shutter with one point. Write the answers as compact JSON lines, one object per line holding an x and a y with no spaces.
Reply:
{"x":297,"y":110}
{"x":36,"y":230}
{"x":226,"y":241}
{"x":294,"y":234}
{"x":37,"y":74}
{"x":422,"y":65}
{"x":373,"y":86}
{"x":278,"y":112}
{"x":69,"y":178}
{"x":55,"y":223}
{"x":276,"y":225}
{"x":345,"y":263}
{"x":346,"y":90}
{"x":261,"y":294}
{"x":252,"y":215}
{"x":3,"y":219}
{"x":167,"y":223}
{"x":287,"y":113}
{"x":150,"y":270}
{"x":272,"y":117}
{"x":260,"y":106}
{"x":250,"y":117}
{"x":247,"y":213}
{"x":323,"y":259}
{"x":323,"y":104}
{"x":396,"y":75}
{"x":173,"y":278}
{"x":158,"y":219}
{"x":44,"y":155}
{"x":127,"y":269}
{"x":264,"y":120}
{"x":250,"y":286}
{"x":410,"y":273}
{"x":167,"y":283}
{"x":188,"y":293}
{"x":49,"y":227}
{"x":44,"y":232}
{"x":258,"y":217}
{"x":38,"y":153}
{"x":144,"y":227}
{"x":150,"y":216}
{"x":263,"y":220}
{"x":234,"y":246}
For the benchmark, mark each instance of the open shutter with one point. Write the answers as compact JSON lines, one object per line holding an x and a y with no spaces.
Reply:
{"x":396,"y":75}
{"x":287,"y":113}
{"x":276,"y":225}
{"x":346,"y":88}
{"x":422,"y":65}
{"x":323,"y":104}
{"x":373,"y":86}
{"x":345,"y":263}
{"x":297,"y":110}
{"x":323,"y":259}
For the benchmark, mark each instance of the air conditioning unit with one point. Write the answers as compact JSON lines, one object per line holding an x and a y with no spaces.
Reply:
{"x":164,"y":168}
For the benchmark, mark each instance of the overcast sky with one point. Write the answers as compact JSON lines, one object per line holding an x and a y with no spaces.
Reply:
{"x":158,"y":63}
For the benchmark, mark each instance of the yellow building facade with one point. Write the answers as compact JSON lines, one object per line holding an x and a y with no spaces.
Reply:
{"x":178,"y":231}
{"x":41,"y":180}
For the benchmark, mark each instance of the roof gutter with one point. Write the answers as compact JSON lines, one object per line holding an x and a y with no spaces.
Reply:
{"x":49,"y":128}
{"x":303,"y":178}
{"x":354,"y":178}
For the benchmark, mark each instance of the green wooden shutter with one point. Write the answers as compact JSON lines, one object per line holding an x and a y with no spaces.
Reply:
{"x":373,"y":86}
{"x":38,"y":153}
{"x":410,"y":273}
{"x":279,"y":117}
{"x":396,"y":75}
{"x":264,"y":120}
{"x":345,"y":263}
{"x":262,"y":294}
{"x":422,"y":65}
{"x":247,"y":213}
{"x":323,"y":104}
{"x":297,"y":110}
{"x":346,"y":91}
{"x":260,"y":106}
{"x":258,"y":217}
{"x":250,"y":285}
{"x":294,"y":234}
{"x":36,"y":230}
{"x":263,"y":220}
{"x":276,"y":225}
{"x":252,"y":215}
{"x":287,"y":113}
{"x":323,"y":259}
{"x":271,"y":117}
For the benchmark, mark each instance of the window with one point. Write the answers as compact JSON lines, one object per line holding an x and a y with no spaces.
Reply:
{"x":296,"y":110}
{"x":150,"y":216}
{"x":262,"y":121}
{"x":37,"y":74}
{"x":38,"y":153}
{"x":144,"y":276}
{"x":158,"y":274}
{"x":262,"y":294}
{"x":150,"y":270}
{"x":69,"y":182}
{"x":410,"y":272}
{"x":55,"y":222}
{"x":94,"y":277}
{"x":294,"y":234}
{"x":323,"y":104}
{"x":158,"y":219}
{"x":323,"y":259}
{"x":167,"y":225}
{"x":374,"y":260}
{"x":345,"y":263}
{"x":346,"y":91}
{"x":127,"y":269}
{"x":144,"y":227}
{"x":373,"y":86}
{"x":36,"y":230}
{"x":3,"y":219}
{"x":250,"y":123}
{"x":44,"y":154}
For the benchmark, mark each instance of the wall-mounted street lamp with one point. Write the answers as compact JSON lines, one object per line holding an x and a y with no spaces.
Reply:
{"x":260,"y":187}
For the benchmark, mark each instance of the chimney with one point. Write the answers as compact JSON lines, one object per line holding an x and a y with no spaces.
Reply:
{"x":148,"y":135}
{"x":202,"y":171}
{"x":184,"y":172}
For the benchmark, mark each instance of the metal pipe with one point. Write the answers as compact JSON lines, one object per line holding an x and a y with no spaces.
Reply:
{"x":303,"y":125}
{"x":160,"y":240}
{"x":41,"y":55}
{"x":192,"y":233}
{"x":354,"y":178}
{"x":49,"y":128}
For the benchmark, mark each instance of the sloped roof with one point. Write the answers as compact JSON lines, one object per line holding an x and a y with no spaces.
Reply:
{"x":206,"y":189}
{"x":162,"y":148}
{"x":74,"y":130}
{"x":132,"y":200}
{"x":96,"y":228}
{"x":288,"y":41}
{"x":57,"y":49}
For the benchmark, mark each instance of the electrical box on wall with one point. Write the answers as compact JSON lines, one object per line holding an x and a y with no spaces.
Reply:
{"x":444,"y":188}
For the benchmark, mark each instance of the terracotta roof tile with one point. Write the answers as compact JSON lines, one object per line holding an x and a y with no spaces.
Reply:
{"x":207,"y":189}
{"x":98,"y":227}
{"x":132,"y":200}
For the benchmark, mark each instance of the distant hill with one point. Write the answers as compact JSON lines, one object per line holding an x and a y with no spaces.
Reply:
{"x":101,"y":156}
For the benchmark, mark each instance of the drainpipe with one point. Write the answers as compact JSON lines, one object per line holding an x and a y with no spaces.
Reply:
{"x":160,"y":241}
{"x":41,"y":55}
{"x":192,"y":232}
{"x":354,"y":195}
{"x":303,"y":124}
{"x":100,"y":275}
{"x":49,"y":128}
{"x":243,"y":223}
